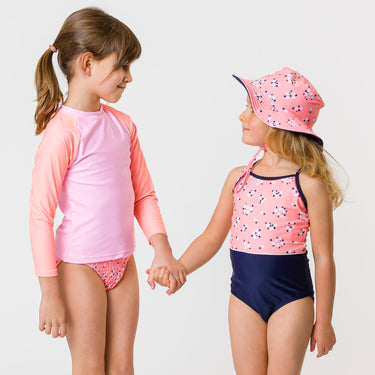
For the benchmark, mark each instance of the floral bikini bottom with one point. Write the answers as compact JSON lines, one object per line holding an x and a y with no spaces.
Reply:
{"x":110,"y":271}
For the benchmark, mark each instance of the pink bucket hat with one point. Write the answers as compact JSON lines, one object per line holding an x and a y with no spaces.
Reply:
{"x":285,"y":100}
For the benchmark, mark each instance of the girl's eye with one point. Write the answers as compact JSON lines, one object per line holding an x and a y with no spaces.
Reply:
{"x":125,"y":67}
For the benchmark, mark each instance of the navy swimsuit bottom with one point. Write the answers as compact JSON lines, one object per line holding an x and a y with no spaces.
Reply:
{"x":268,"y":282}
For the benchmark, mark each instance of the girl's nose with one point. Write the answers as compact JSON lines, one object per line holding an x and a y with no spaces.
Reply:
{"x":128,"y":77}
{"x":242,"y":117}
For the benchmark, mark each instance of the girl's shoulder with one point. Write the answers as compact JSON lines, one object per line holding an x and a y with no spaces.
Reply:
{"x":236,"y":172}
{"x":62,"y":125}
{"x":60,"y":140}
{"x":313,"y":187}
{"x":234,"y":175}
{"x":121,"y":116}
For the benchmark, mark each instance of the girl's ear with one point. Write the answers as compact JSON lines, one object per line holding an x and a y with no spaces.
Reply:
{"x":86,"y":63}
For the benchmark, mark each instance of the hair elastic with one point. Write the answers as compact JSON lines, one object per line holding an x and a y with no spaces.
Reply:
{"x":52,"y":48}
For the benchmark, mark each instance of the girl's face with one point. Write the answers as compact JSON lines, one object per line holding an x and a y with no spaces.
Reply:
{"x":254,"y":130}
{"x":107,"y":83}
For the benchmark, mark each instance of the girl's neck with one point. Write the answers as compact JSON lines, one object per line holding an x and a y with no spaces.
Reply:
{"x":271,"y":160}
{"x":272,"y":163}
{"x":80,"y":98}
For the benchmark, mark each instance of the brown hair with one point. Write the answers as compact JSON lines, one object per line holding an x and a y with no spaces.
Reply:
{"x":303,"y":150}
{"x":86,"y":30}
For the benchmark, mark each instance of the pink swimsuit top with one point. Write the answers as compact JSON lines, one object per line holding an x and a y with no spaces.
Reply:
{"x":92,"y":166}
{"x":269,"y":214}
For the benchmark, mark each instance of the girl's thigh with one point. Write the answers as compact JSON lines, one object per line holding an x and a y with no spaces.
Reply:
{"x":248,"y":333}
{"x":289,"y":331}
{"x":86,"y":303}
{"x":122,"y":319}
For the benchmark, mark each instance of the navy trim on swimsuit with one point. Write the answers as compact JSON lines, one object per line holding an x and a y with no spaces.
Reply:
{"x":271,"y":178}
{"x":296,"y":175}
{"x":300,"y":190}
{"x":267,"y":177}
{"x":238,"y":181}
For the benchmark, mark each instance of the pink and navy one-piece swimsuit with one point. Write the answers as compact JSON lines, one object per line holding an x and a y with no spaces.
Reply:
{"x":270,"y":223}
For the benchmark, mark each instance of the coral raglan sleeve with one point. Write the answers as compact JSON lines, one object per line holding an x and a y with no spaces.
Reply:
{"x":55,"y":154}
{"x":146,"y":208}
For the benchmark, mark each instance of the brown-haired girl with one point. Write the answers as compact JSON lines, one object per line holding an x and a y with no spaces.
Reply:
{"x":269,"y":206}
{"x":89,"y":162}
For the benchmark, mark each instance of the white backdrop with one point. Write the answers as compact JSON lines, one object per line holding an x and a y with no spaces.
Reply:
{"x":186,"y":106}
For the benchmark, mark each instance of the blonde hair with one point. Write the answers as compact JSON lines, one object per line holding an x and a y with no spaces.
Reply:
{"x":304,"y":151}
{"x":86,"y":30}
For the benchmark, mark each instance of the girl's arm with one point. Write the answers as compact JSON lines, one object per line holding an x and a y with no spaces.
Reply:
{"x":55,"y":154}
{"x":146,"y":209}
{"x":321,"y":233}
{"x":204,"y":247}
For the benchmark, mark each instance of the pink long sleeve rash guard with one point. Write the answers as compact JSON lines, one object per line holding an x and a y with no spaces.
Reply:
{"x":92,"y":166}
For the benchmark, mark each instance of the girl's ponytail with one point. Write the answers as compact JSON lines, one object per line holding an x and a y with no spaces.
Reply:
{"x":49,"y":95}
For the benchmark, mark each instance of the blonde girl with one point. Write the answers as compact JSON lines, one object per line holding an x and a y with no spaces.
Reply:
{"x":269,"y":206}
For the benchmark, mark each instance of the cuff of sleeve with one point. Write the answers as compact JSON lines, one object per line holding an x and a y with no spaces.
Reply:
{"x":48,"y":273}
{"x":149,"y":218}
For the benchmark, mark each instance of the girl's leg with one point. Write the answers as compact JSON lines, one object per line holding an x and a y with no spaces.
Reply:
{"x":248,"y":333}
{"x":86,"y":303}
{"x":289,"y":331}
{"x":122,"y":319}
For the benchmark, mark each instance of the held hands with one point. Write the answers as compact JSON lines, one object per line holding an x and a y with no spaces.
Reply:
{"x":173,"y":278}
{"x":323,"y":336}
{"x":164,"y":257}
{"x":162,"y":277}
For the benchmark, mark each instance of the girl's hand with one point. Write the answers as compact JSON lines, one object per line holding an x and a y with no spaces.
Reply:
{"x":52,"y":316}
{"x":161,"y":276}
{"x":164,"y":257}
{"x":167,"y":271}
{"x":323,"y":336}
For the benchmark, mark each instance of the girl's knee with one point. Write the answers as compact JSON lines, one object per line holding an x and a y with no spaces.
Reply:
{"x":280,"y":370}
{"x":123,"y":368}
{"x":92,"y":368}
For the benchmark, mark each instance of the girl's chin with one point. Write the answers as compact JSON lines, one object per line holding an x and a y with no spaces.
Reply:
{"x":112,"y":98}
{"x":250,"y":142}
{"x":246,"y":140}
